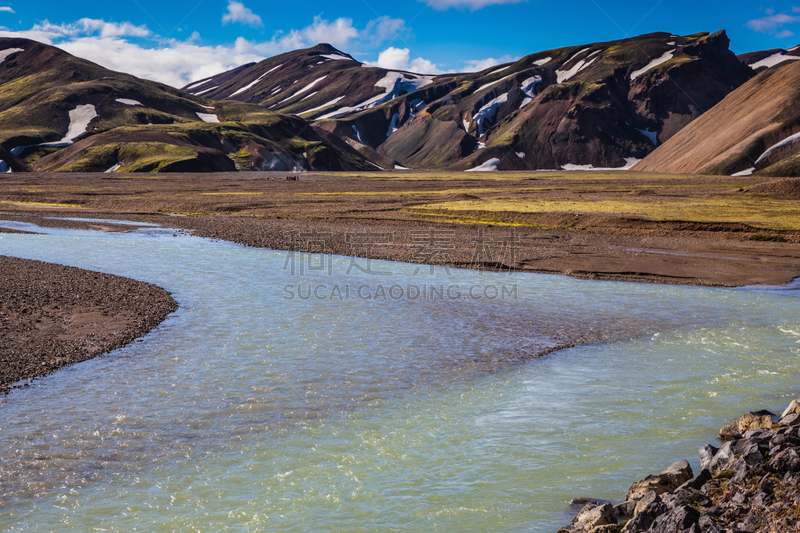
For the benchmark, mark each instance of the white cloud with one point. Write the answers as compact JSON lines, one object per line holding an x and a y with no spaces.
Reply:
{"x":400,"y":59}
{"x":773,"y":23}
{"x":784,"y":34}
{"x":237,"y":12}
{"x":338,"y":33}
{"x":178,"y":63}
{"x":477,"y":65}
{"x":469,"y":4}
{"x":6,"y":9}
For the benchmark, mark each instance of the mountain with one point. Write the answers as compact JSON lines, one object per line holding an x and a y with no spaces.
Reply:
{"x":62,"y":113}
{"x":762,"y":60}
{"x":754,"y":129}
{"x":599,"y":105}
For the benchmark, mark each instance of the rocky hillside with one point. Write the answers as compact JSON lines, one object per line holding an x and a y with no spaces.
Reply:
{"x":598,"y":105}
{"x":761,"y":61}
{"x":62,"y":113}
{"x":753,"y":130}
{"x":750,"y":484}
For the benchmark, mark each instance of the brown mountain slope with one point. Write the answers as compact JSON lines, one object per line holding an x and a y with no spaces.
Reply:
{"x":602,"y":104}
{"x":734,"y":135}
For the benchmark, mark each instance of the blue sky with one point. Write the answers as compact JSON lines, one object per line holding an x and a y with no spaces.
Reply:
{"x":184,"y":40}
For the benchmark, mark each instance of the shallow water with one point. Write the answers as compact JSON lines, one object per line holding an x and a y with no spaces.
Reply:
{"x":247,"y":411}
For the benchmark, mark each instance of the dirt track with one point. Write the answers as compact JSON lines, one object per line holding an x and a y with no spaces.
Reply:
{"x":390,"y":216}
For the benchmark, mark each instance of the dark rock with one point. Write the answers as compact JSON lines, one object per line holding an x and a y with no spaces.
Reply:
{"x":707,"y":453}
{"x":724,"y":459}
{"x":643,"y":520}
{"x":678,"y":519}
{"x":593,"y":515}
{"x":624,"y":511}
{"x":584,"y":501}
{"x":787,"y":460}
{"x":708,"y":525}
{"x":791,"y":420}
{"x":698,"y":481}
{"x":647,"y":499}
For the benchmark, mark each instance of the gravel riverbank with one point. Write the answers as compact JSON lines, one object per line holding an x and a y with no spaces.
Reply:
{"x":52,"y":316}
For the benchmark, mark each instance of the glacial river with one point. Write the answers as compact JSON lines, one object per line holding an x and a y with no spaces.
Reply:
{"x":257,"y":407}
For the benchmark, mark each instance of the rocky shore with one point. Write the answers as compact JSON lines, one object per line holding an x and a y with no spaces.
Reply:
{"x":52,"y":316}
{"x":750,"y":484}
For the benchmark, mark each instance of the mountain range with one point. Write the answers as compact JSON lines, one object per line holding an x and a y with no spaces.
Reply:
{"x":657,"y":103}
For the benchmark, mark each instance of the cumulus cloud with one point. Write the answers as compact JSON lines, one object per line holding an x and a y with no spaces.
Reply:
{"x":400,"y":59}
{"x":477,"y":65}
{"x":237,"y":12}
{"x":6,"y":9}
{"x":468,"y":4}
{"x":136,"y":50}
{"x":773,"y":23}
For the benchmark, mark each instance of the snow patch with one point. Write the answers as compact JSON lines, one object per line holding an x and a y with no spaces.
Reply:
{"x":542,"y":62}
{"x":198,"y":84}
{"x":788,"y":141}
{"x":482,"y":87}
{"x":398,"y":167}
{"x":211,"y":119}
{"x":79,"y":119}
{"x":323,"y":106}
{"x":488,"y":166}
{"x":127,"y":101}
{"x":304,"y":89}
{"x":113,"y":169}
{"x":358,"y":135}
{"x":309,"y":96}
{"x":489,"y":111}
{"x":466,"y":125}
{"x":630,"y":162}
{"x":671,"y":43}
{"x":775,"y":59}
{"x":566,"y":75}
{"x":4,"y":168}
{"x":652,"y":135}
{"x":743,"y":173}
{"x":5,"y":53}
{"x":393,"y":124}
{"x":206,"y":90}
{"x":521,"y":155}
{"x":249,"y":86}
{"x":496,"y":71}
{"x":528,"y":87}
{"x":336,"y":57}
{"x":653,"y":64}
{"x":394,"y":83}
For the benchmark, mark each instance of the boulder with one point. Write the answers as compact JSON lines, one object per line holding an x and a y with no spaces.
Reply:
{"x":792,"y":419}
{"x":707,"y":454}
{"x":698,"y":481}
{"x":668,"y":480}
{"x":752,"y":420}
{"x":724,"y":459}
{"x":647,"y":499}
{"x":592,"y":516}
{"x":794,"y":408}
{"x":786,"y":461}
{"x":624,"y":511}
{"x":643,"y":520}
{"x":679,"y":519}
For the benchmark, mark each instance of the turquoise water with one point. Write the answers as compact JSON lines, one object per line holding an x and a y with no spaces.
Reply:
{"x":248,"y":411}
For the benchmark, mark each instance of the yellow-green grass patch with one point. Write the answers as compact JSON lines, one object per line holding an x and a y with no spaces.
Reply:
{"x":757,"y":212}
